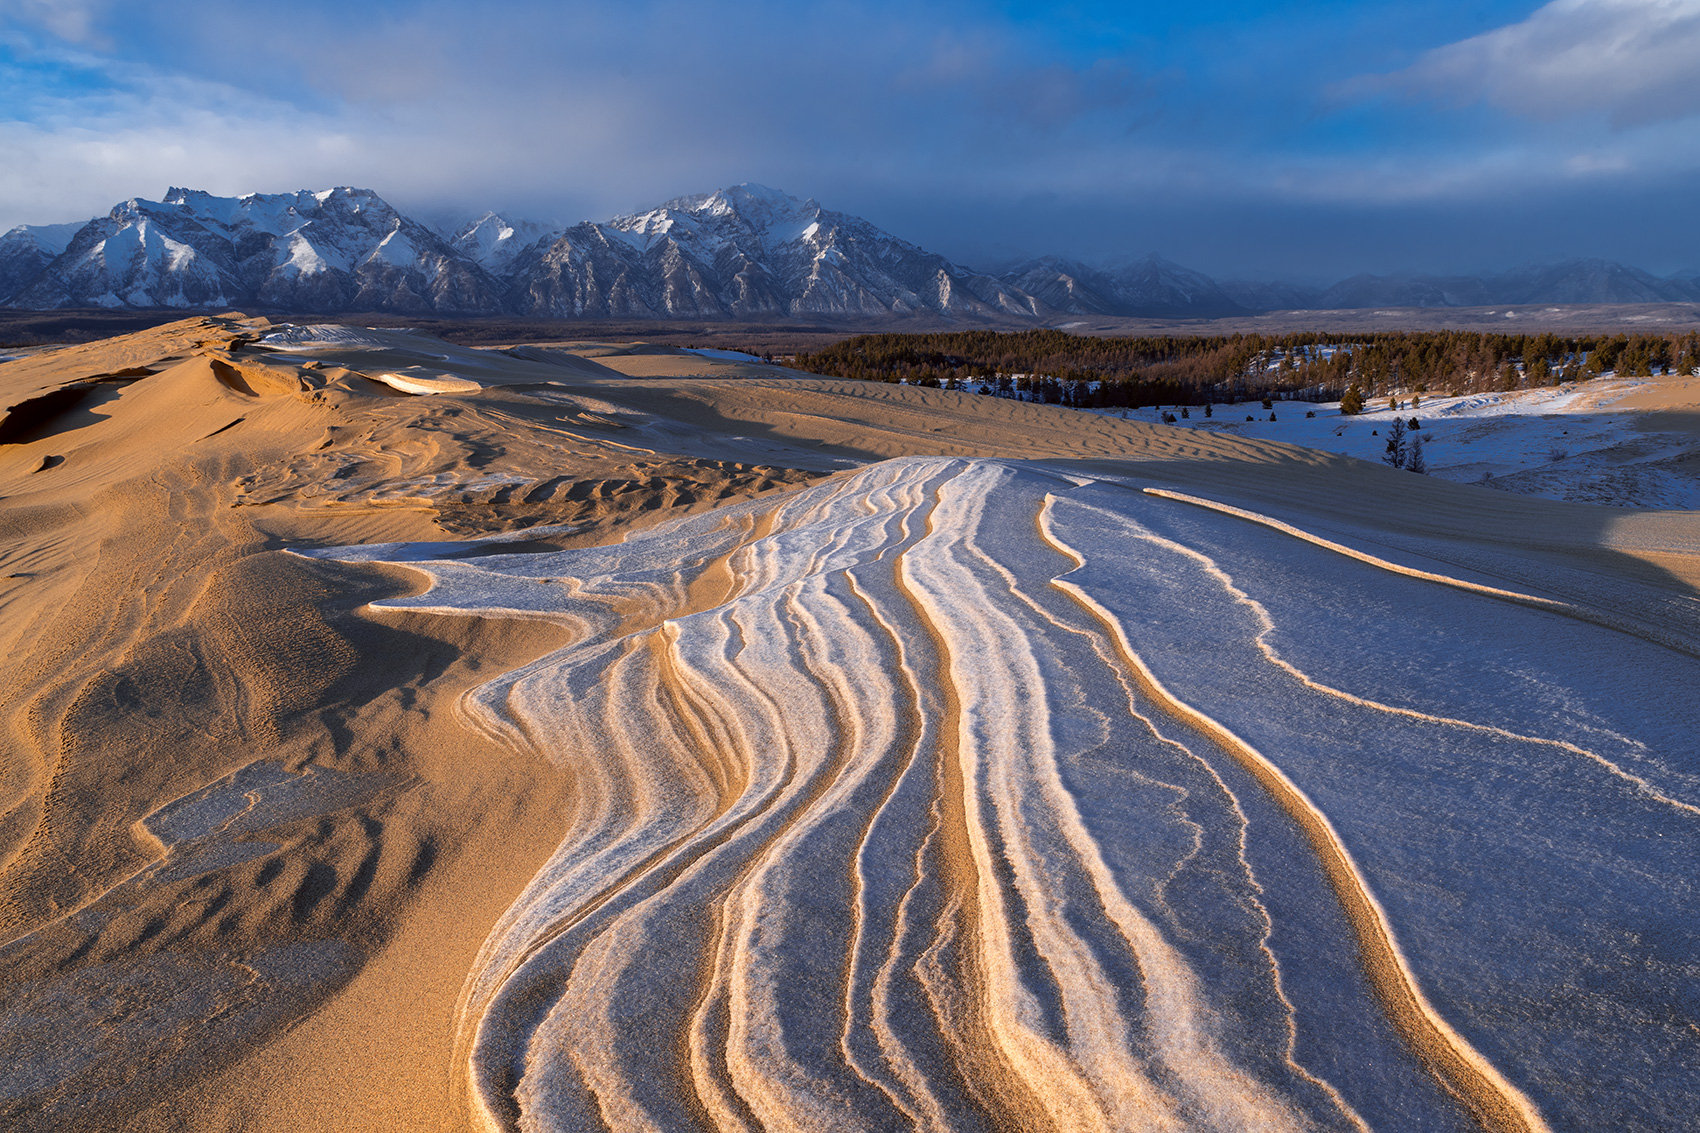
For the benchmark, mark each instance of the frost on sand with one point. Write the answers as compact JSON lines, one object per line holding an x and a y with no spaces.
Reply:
{"x":959,"y":794}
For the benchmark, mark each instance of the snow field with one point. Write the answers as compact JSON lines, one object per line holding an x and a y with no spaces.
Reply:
{"x":1562,"y":442}
{"x":949,"y":794}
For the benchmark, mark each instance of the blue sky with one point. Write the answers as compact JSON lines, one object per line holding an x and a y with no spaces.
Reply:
{"x":1261,"y":140}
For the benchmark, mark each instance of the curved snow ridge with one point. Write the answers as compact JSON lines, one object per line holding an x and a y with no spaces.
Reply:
{"x":1267,"y":628}
{"x":1105,"y":649}
{"x":855,"y":897}
{"x":964,"y":593}
{"x":1497,"y":1103}
{"x":1553,"y":605}
{"x":887,"y":815}
{"x":1365,"y":557}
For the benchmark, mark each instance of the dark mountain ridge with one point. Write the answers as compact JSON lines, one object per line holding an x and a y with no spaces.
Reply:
{"x":742,"y":253}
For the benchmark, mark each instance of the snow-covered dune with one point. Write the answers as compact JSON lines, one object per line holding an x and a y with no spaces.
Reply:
{"x":979,"y":794}
{"x":1615,"y":440}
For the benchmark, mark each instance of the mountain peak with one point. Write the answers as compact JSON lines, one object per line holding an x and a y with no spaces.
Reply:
{"x":759,"y":192}
{"x":327,"y":250}
{"x":495,"y":242}
{"x":744,"y":250}
{"x":748,"y":200}
{"x":341,"y":192}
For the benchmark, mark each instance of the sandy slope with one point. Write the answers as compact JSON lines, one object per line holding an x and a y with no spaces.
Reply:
{"x":277,"y":858}
{"x":160,"y":643}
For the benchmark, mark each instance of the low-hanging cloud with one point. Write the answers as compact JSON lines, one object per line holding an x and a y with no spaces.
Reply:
{"x":947,"y":121}
{"x":1631,"y":61}
{"x":568,"y":110}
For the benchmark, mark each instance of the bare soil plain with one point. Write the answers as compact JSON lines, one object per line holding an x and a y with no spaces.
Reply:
{"x":619,"y":738}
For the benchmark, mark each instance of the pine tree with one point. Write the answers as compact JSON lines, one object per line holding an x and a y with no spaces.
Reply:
{"x":1352,"y":401}
{"x":1395,"y":454}
{"x":1414,"y":461}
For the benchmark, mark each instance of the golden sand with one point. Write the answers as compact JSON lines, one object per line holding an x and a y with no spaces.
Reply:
{"x":161,"y":640}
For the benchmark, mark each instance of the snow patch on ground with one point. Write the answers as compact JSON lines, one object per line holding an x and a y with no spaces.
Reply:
{"x":1227,"y":847}
{"x":1563,"y":442}
{"x":420,"y":381}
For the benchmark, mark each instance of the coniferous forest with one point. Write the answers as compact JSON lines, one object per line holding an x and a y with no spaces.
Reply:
{"x":1065,"y":369}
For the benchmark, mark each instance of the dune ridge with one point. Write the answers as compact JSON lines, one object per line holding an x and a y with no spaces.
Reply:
{"x":1566,"y":608}
{"x":1570,"y":609}
{"x":671,"y":744}
{"x":1497,"y":1104}
{"x":896,"y":821}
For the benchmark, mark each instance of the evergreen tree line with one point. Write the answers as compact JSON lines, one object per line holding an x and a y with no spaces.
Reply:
{"x":1059,"y":368}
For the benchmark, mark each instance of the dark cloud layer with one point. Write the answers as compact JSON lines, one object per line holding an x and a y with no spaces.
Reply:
{"x":1255,"y":139}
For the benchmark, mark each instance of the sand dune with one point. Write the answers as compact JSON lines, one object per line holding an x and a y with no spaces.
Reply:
{"x":793,"y":901}
{"x":577,"y":749}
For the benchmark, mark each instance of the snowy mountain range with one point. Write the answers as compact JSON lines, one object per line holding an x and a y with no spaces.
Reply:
{"x":739,"y":253}
{"x":746,"y":252}
{"x":335,"y":250}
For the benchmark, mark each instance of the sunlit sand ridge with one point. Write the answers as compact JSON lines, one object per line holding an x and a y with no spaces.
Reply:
{"x":977,"y":794}
{"x":819,"y":754}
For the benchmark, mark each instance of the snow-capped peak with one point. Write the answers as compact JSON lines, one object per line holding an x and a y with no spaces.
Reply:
{"x":743,"y":250}
{"x":494,"y":241}
{"x":336,"y":249}
{"x":751,"y":201}
{"x":749,"y":217}
{"x":758,"y":206}
{"x":51,"y":238}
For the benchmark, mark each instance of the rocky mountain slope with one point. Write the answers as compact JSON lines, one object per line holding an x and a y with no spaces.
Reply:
{"x":335,"y":250}
{"x":1594,"y":281}
{"x":495,"y":242}
{"x":739,"y":253}
{"x":744,"y":252}
{"x":26,"y":251}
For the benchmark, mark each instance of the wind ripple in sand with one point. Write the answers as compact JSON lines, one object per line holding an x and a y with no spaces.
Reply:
{"x":960,"y":794}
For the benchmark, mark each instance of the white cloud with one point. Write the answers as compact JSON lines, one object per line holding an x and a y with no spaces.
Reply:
{"x":1590,"y":164}
{"x":1631,"y":61}
{"x":70,"y":20}
{"x":576,"y":118}
{"x":576,"y":111}
{"x":138,"y":131}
